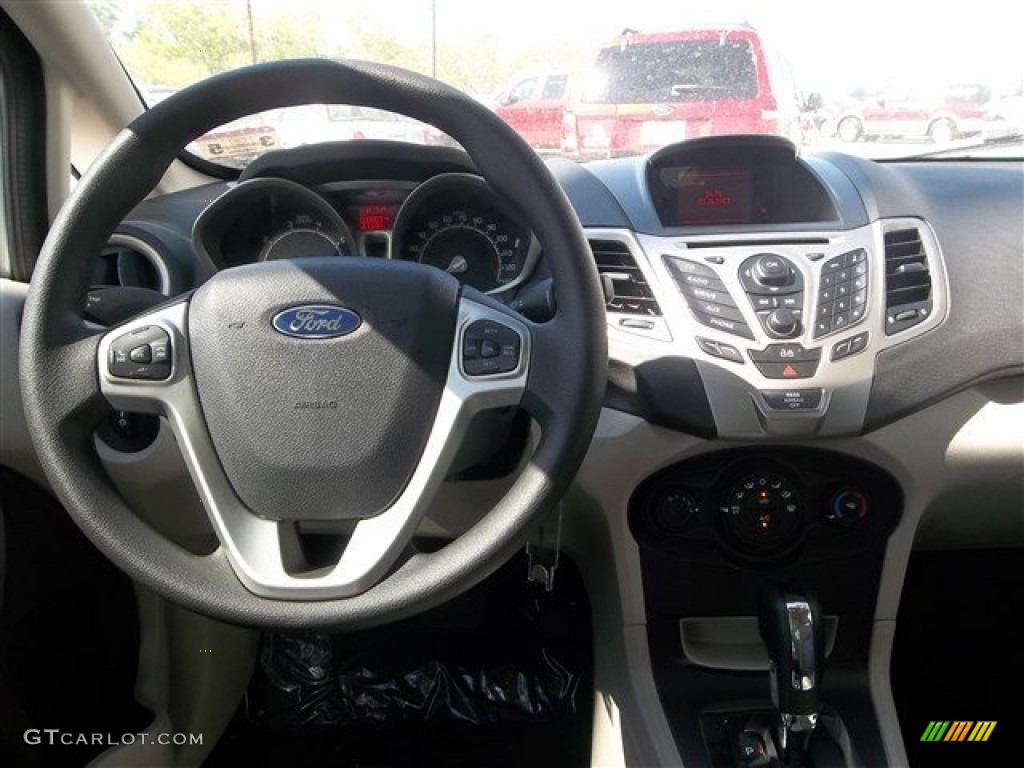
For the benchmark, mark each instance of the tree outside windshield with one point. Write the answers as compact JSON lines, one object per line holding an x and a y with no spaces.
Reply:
{"x":588,"y":81}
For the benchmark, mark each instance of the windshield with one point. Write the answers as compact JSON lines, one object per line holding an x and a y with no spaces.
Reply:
{"x":590,"y":81}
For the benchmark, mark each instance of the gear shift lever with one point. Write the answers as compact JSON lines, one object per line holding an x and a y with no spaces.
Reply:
{"x":792,"y":630}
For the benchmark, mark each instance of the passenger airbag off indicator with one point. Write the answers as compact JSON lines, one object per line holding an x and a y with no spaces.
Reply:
{"x":793,"y":399}
{"x":489,"y":348}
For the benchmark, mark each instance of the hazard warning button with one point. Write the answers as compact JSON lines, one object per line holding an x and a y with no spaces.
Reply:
{"x":793,"y":370}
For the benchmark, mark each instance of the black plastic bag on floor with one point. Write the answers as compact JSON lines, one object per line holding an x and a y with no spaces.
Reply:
{"x":303,"y":683}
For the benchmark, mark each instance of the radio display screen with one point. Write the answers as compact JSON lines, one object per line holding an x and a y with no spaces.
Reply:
{"x":713,"y":196}
{"x":723,"y":182}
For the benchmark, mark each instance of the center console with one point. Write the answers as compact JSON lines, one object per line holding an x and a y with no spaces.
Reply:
{"x":752,"y":300}
{"x":764,"y":290}
{"x":718,"y":531}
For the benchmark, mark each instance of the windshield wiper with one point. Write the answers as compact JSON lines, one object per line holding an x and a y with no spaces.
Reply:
{"x":960,"y":151}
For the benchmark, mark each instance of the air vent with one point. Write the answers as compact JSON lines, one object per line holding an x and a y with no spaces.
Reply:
{"x":623,"y":279}
{"x":908,"y":283}
{"x":131,"y":263}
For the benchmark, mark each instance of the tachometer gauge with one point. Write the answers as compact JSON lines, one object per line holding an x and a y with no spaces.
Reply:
{"x":455,"y":222}
{"x":303,"y":235}
{"x":269,"y":219}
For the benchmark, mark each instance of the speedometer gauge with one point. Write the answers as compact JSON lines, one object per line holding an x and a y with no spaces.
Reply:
{"x":457,"y":223}
{"x":481,"y":249}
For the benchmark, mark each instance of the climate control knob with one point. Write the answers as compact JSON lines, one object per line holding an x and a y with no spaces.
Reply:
{"x":847,"y":507}
{"x":770,"y":269}
{"x":673,"y":509}
{"x":762,"y":511}
{"x":784,"y":323}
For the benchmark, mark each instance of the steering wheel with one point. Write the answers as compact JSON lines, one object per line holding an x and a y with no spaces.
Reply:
{"x":331,"y":392}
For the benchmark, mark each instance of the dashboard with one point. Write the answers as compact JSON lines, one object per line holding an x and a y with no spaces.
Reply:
{"x":751,"y":293}
{"x":814,"y":366}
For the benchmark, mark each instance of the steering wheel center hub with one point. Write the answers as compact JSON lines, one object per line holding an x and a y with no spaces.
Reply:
{"x":320,"y":379}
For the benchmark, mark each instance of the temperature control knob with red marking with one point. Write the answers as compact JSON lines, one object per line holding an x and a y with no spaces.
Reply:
{"x":847,"y":507}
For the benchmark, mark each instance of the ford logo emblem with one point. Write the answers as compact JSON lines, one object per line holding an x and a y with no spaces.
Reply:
{"x":316,"y":321}
{"x":663,"y":110}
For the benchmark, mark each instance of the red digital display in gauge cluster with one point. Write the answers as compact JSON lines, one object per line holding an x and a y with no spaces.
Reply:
{"x":716,"y":197}
{"x":375,"y":218}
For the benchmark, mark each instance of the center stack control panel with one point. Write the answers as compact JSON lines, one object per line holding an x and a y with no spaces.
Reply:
{"x":774,"y":288}
{"x":785,"y":330}
{"x":753,"y":508}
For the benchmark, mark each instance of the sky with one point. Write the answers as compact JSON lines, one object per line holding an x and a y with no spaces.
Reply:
{"x":830,"y":45}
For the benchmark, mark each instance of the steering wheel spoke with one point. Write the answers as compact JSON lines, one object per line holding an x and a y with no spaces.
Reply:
{"x":145,"y":365}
